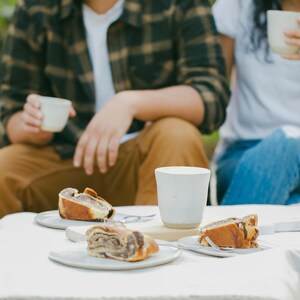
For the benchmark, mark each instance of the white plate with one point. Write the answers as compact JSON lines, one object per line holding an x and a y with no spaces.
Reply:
{"x":52,"y":219}
{"x":77,"y":256}
{"x":192,"y":242}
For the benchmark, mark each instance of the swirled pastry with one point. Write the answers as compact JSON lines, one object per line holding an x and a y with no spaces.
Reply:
{"x":232,"y":232}
{"x":114,"y":240}
{"x":86,"y":206}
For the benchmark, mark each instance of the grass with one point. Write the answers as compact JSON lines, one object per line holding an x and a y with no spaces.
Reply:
{"x":210,"y":143}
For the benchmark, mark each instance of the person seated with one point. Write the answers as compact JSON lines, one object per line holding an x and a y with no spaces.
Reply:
{"x":258,"y":156}
{"x":123,"y":64}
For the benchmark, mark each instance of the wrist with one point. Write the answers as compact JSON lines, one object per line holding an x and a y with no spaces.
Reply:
{"x":131,"y":99}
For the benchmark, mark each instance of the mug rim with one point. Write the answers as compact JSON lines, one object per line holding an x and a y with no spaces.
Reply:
{"x":60,"y":101}
{"x":283,"y":12}
{"x":189,"y":170}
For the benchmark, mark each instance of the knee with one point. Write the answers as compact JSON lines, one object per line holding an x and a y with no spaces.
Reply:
{"x":12,"y":164}
{"x":291,"y":136}
{"x":177,"y":142}
{"x":286,"y":141}
{"x":9,"y":177}
{"x":174,"y":130}
{"x":281,"y":148}
{"x":7,"y":160}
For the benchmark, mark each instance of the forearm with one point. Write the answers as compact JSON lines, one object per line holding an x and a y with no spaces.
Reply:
{"x":177,"y":101}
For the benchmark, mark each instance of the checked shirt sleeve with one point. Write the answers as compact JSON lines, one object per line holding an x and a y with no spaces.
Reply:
{"x":21,"y":65}
{"x":200,"y":60}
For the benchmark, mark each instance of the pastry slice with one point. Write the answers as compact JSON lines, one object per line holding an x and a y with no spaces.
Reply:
{"x":86,"y":206}
{"x":231,"y":232}
{"x":114,"y":240}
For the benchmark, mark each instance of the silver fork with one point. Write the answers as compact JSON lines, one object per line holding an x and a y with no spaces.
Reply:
{"x":176,"y":245}
{"x":216,"y":247}
{"x":224,"y":249}
{"x":191,"y":247}
{"x":135,"y":218}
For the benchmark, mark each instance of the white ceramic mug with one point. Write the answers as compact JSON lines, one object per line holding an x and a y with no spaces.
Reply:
{"x":278,"y":22}
{"x":182,"y":195}
{"x":56,"y":113}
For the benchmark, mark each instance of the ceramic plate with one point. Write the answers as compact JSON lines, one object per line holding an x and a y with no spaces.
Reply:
{"x":192,"y":243}
{"x":52,"y":219}
{"x":77,"y":256}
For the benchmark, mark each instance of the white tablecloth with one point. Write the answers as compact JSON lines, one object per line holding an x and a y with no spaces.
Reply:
{"x":27,"y":273}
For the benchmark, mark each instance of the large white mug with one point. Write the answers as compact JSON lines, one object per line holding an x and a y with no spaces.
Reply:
{"x":182,"y":195}
{"x":278,"y":22}
{"x":56,"y":113}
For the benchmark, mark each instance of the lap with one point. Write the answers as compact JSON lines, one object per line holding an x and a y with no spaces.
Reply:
{"x":276,"y":157}
{"x":30,"y":160}
{"x":227,"y":163}
{"x":35,"y":175}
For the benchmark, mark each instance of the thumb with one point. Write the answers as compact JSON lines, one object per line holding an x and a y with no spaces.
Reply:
{"x":72,"y":112}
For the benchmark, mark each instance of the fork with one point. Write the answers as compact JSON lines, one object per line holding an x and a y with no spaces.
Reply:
{"x":225,"y":249}
{"x":215,"y":246}
{"x":176,"y":245}
{"x":135,"y":218}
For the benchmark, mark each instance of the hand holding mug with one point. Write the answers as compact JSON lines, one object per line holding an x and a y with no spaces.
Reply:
{"x":32,"y":115}
{"x":55,"y":113}
{"x":293,"y":39}
{"x":31,"y":120}
{"x":284,"y":33}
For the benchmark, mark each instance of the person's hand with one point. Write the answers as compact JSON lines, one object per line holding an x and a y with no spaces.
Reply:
{"x":101,"y":139}
{"x":24,"y":126}
{"x":33,"y":119}
{"x":293,"y":39}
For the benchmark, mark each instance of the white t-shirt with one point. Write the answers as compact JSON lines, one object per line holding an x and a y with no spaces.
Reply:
{"x":265,"y":95}
{"x":96,"y":26}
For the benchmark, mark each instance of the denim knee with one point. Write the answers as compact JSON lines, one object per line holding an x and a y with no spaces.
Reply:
{"x":287,"y":142}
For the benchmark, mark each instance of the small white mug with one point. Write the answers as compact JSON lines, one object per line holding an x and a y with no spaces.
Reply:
{"x":278,"y":22}
{"x":56,"y":113}
{"x":182,"y":195}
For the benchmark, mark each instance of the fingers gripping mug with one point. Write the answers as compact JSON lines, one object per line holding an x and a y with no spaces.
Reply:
{"x":56,"y":113}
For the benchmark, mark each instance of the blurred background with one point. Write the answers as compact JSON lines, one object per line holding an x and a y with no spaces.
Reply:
{"x":6,"y":11}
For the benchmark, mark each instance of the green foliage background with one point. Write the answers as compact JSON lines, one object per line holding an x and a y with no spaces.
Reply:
{"x":6,"y":8}
{"x":4,"y":5}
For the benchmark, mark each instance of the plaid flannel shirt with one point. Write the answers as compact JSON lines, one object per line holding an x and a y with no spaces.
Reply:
{"x":154,"y":44}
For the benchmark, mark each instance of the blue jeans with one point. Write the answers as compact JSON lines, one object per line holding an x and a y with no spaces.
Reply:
{"x":261,"y":171}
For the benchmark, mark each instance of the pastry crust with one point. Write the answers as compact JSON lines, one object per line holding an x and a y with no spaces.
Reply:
{"x":86,"y":206}
{"x":114,"y":240}
{"x":232,"y":232}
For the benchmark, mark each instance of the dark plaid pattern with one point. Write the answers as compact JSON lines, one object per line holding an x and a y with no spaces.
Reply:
{"x":154,"y":44}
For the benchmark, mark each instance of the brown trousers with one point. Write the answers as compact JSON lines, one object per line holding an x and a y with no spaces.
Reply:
{"x":31,"y":177}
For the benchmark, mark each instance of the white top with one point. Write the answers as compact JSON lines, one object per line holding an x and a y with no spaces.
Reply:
{"x":265,"y":95}
{"x":96,"y":26}
{"x":27,"y":273}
